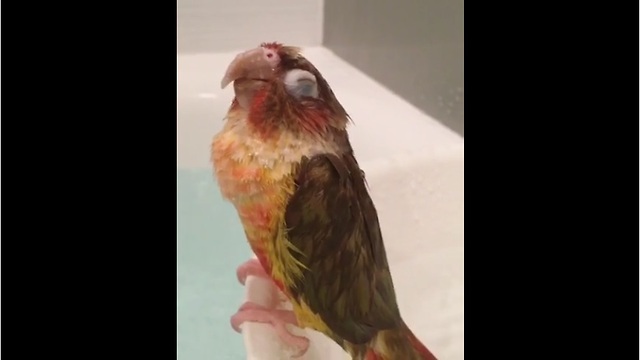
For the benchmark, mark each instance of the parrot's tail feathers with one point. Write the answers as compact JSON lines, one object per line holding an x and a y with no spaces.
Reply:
{"x":419,"y":346}
{"x":396,"y":344}
{"x":372,"y":355}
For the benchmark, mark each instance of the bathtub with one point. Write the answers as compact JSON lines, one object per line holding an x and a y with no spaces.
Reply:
{"x":415,"y":170}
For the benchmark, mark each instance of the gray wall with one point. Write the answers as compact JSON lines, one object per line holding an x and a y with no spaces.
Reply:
{"x":413,"y":47}
{"x":209,"y":26}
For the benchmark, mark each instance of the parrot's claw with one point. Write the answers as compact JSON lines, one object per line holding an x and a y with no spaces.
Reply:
{"x":277,"y":318}
{"x":251,"y":267}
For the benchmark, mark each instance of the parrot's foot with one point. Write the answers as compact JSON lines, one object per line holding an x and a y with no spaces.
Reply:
{"x":251,"y":267}
{"x":277,"y":318}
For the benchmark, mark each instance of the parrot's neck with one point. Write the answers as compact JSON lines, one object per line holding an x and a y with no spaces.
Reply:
{"x":313,"y":121}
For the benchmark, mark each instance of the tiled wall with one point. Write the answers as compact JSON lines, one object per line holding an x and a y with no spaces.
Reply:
{"x":226,"y":25}
{"x":413,"y":47}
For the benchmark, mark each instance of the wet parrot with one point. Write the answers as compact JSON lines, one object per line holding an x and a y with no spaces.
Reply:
{"x":284,"y":160}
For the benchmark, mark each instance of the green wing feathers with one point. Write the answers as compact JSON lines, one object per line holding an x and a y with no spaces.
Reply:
{"x":333,"y":223}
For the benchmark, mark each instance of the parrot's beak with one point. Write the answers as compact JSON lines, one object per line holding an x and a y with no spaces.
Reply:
{"x":250,"y":65}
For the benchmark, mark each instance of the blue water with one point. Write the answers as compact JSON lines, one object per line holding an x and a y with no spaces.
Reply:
{"x":211,"y":244}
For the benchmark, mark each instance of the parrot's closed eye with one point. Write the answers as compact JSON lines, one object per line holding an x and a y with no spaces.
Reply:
{"x":301,"y":83}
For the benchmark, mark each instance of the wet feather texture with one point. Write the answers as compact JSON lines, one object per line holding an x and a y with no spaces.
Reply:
{"x":285,"y":162}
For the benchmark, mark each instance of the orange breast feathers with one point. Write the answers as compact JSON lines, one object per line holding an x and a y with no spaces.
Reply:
{"x":258,"y":193}
{"x":257,"y":174}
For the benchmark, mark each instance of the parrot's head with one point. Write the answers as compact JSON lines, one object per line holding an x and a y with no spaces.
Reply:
{"x":278,"y":87}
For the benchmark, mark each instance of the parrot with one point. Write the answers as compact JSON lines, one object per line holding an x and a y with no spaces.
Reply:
{"x":284,"y":160}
